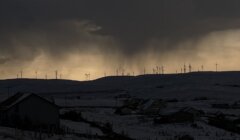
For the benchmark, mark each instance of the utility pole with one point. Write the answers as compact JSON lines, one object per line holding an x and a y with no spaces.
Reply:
{"x":144,"y":71}
{"x":202,"y":68}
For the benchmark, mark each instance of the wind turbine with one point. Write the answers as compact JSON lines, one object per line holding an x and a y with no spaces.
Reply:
{"x":117,"y":72}
{"x":87,"y":75}
{"x":36,"y":74}
{"x":153,"y":71}
{"x":184,"y":68}
{"x":123,"y":72}
{"x":162,"y":69}
{"x":56,"y":74}
{"x":21,"y":73}
{"x":190,"y":68}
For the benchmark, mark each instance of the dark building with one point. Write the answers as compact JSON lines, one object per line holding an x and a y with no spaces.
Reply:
{"x":29,"y":110}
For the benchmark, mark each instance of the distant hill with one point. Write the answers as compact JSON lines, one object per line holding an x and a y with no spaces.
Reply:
{"x":162,"y":83}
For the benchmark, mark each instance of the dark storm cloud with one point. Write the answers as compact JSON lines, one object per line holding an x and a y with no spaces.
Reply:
{"x":40,"y":24}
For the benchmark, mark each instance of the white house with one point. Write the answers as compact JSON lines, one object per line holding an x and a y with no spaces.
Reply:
{"x":28,"y":110}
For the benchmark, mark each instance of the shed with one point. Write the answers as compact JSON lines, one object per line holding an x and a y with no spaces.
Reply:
{"x":29,"y":110}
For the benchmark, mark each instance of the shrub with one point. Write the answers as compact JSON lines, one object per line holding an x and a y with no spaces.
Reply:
{"x":72,"y":115}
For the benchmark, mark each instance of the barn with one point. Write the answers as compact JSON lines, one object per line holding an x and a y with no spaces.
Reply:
{"x":29,"y":110}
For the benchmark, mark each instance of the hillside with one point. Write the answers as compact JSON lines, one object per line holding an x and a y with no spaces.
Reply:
{"x":193,"y":83}
{"x":143,"y":107}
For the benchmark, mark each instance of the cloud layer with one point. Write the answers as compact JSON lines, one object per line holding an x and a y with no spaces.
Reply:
{"x":82,"y":36}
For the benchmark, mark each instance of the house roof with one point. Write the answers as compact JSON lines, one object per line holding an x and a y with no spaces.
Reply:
{"x":17,"y":98}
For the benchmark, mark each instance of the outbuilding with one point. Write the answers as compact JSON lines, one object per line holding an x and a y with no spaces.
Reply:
{"x":29,"y":110}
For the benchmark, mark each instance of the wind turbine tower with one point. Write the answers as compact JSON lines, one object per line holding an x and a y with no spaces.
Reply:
{"x":21,"y":74}
{"x":56,"y":74}
{"x":36,"y":74}
{"x":216,"y":67}
{"x":184,"y":68}
{"x":162,"y":69}
{"x":190,"y":68}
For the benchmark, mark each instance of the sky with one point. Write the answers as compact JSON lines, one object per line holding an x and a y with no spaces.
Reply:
{"x":78,"y":37}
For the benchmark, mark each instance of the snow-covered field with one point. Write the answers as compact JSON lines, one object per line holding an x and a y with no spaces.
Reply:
{"x":126,"y":104}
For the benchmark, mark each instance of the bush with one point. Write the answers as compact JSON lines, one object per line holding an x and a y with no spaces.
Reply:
{"x":72,"y":115}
